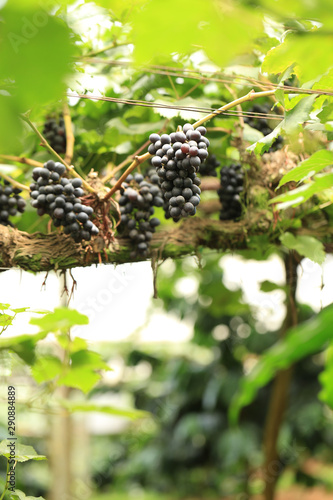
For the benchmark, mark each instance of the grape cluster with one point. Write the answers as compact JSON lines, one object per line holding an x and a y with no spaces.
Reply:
{"x":55,"y":134}
{"x":177,"y":158}
{"x":208,"y":167}
{"x":59,"y":197}
{"x":261,"y":124}
{"x":232,"y":185}
{"x":137,"y":202}
{"x":10,"y":202}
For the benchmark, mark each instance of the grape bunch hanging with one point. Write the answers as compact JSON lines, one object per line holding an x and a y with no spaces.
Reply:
{"x":137,"y":202}
{"x":261,"y":124}
{"x":177,"y":158}
{"x":60,"y":198}
{"x":232,"y":185}
{"x":10,"y":202}
{"x":55,"y":134}
{"x":209,"y":166}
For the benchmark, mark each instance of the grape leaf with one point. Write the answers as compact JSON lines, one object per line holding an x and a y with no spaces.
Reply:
{"x":326,"y":379}
{"x":307,"y":246}
{"x":306,"y":51}
{"x":19,"y":495}
{"x":23,"y":453}
{"x":298,"y":114}
{"x":309,"y":167}
{"x":302,"y":340}
{"x":60,"y":319}
{"x":265,"y":143}
{"x":86,"y":406}
{"x":303,"y":193}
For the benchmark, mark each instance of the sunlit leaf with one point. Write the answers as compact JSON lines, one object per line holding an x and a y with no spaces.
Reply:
{"x":23,"y":453}
{"x":309,"y":167}
{"x":303,"y":193}
{"x":306,"y":338}
{"x":307,"y":246}
{"x":86,"y":406}
{"x":306,"y":51}
{"x":61,"y":319}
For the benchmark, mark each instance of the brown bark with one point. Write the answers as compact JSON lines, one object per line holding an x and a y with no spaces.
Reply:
{"x":280,"y":391}
{"x":45,"y":252}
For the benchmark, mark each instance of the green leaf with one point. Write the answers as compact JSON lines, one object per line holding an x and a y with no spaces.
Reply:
{"x":23,"y":345}
{"x":265,"y":143}
{"x":201,"y":25}
{"x":82,"y":371}
{"x":268,"y":286}
{"x":61,"y":319}
{"x":251,"y":134}
{"x":80,"y":378}
{"x":86,"y":358}
{"x":84,"y":406}
{"x":20,"y":310}
{"x":302,"y":340}
{"x":307,"y":246}
{"x":309,"y":167}
{"x":326,"y":379}
{"x":71,"y":345}
{"x":19,"y":495}
{"x":303,"y":193}
{"x":6,"y":319}
{"x":298,"y":114}
{"x":307,"y":52}
{"x":28,"y":35}
{"x":46,"y":368}
{"x":23,"y":453}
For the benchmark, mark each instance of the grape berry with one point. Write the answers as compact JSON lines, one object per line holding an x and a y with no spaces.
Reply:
{"x":177,"y":158}
{"x":137,"y":202}
{"x":55,"y":134}
{"x":60,"y":198}
{"x":232,"y":185}
{"x":10,"y":202}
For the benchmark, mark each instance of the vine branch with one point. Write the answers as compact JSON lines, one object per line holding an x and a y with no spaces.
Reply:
{"x":22,"y":159}
{"x":279,"y":396}
{"x":70,"y":139}
{"x":7,"y":482}
{"x":137,"y":161}
{"x":14,"y":183}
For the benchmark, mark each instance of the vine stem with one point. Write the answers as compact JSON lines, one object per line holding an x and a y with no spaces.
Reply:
{"x":112,"y":45}
{"x":69,"y":168}
{"x":22,"y":159}
{"x":129,"y":159}
{"x":248,"y":97}
{"x":137,"y":161}
{"x":14,"y":182}
{"x":280,"y":390}
{"x":239,"y":108}
{"x":140,"y":159}
{"x":7,"y":482}
{"x":70,"y":139}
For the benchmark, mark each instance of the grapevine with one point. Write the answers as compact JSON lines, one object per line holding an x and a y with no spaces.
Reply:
{"x":137,"y":201}
{"x":60,"y":198}
{"x":177,"y":159}
{"x":232,"y":185}
{"x":55,"y":133}
{"x":10,"y":202}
